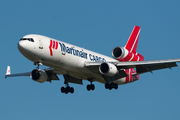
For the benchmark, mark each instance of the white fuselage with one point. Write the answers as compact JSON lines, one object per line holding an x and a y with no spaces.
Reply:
{"x":64,"y":57}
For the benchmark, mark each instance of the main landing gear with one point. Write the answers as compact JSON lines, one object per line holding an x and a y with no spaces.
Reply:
{"x":91,"y":86}
{"x":67,"y":89}
{"x":111,"y":86}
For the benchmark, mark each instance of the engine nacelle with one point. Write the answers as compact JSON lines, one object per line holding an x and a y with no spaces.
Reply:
{"x":108,"y":69}
{"x":39,"y":75}
{"x":122,"y":54}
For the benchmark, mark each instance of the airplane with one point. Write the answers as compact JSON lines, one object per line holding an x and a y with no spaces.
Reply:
{"x":77,"y":64}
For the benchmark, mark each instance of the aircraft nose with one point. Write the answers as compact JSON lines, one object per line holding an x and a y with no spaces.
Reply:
{"x":24,"y":46}
{"x":21,"y":45}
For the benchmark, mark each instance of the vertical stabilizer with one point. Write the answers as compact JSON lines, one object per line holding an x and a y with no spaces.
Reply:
{"x":131,"y":45}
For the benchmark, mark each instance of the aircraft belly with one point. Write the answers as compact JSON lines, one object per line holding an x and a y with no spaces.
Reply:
{"x":76,"y":71}
{"x":120,"y":81}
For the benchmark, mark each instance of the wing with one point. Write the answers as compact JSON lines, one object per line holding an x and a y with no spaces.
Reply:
{"x":141,"y":66}
{"x":51,"y":72}
{"x":8,"y":73}
{"x":149,"y":66}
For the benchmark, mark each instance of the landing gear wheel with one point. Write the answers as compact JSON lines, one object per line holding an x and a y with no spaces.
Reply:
{"x":62,"y":89}
{"x":90,"y":87}
{"x":115,"y":86}
{"x":111,"y":86}
{"x":106,"y":85}
{"x":67,"y":90}
{"x":72,"y":90}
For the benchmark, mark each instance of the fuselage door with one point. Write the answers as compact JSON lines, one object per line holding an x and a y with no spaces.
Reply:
{"x":40,"y":44}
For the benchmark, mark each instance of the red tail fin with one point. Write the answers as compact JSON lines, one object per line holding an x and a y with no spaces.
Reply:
{"x":128,"y":53}
{"x":131,"y":45}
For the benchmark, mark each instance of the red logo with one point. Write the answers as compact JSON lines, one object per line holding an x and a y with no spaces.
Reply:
{"x":53,"y":45}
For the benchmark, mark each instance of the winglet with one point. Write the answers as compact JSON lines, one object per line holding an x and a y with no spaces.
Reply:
{"x":131,"y":45}
{"x":8,"y":71}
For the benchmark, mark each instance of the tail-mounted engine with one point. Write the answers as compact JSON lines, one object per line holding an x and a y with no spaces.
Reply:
{"x":108,"y":69}
{"x":39,"y":75}
{"x":122,"y":54}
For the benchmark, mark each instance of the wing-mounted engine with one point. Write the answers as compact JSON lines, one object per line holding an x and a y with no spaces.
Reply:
{"x":108,"y":69}
{"x":39,"y":75}
{"x":122,"y":54}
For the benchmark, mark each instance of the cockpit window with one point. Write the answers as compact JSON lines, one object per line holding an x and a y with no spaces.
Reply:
{"x":30,"y":39}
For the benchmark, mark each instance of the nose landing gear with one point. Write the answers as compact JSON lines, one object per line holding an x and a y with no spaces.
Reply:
{"x":37,"y":63}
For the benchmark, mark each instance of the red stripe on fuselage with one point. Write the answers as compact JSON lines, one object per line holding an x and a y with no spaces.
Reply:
{"x":53,"y":44}
{"x":56,"y":45}
{"x":50,"y":48}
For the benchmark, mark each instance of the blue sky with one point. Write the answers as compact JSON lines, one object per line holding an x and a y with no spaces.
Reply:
{"x":98,"y":26}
